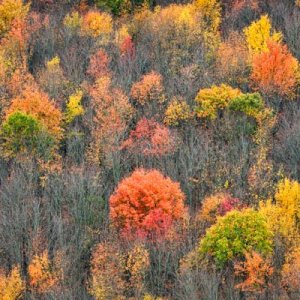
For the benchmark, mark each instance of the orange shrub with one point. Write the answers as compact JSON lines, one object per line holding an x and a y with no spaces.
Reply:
{"x":37,"y":104}
{"x":107,"y":268}
{"x":111,"y":111}
{"x":146,"y":203}
{"x":291,"y":271}
{"x":148,"y":89}
{"x":275,"y":70}
{"x":150,"y":138}
{"x":41,"y":274}
{"x":256,"y":270}
{"x":99,"y":64}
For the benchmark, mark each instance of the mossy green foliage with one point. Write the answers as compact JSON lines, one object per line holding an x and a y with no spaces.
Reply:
{"x":23,"y":133}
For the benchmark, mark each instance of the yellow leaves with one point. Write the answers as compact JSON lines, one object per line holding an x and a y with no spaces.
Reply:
{"x":9,"y":11}
{"x":212,"y":99}
{"x":283,"y":216}
{"x":74,"y":107}
{"x":12,"y":285}
{"x":53,"y":63}
{"x":97,"y":24}
{"x":211,"y":12}
{"x":73,"y":20}
{"x":259,"y":33}
{"x":177,"y":111}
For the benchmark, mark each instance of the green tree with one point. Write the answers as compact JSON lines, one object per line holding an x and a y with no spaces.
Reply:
{"x":235,"y":234}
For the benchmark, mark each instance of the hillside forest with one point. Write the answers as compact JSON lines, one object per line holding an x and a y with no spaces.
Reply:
{"x":149,"y":149}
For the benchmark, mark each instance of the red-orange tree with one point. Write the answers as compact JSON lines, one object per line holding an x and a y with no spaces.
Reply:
{"x":146,"y":203}
{"x":275,"y":70}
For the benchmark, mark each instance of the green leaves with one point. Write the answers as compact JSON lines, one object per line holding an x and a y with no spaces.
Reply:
{"x":236,"y":233}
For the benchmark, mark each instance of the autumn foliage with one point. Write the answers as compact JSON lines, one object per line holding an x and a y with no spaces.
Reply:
{"x":150,"y":138}
{"x":275,"y":70}
{"x":146,"y":203}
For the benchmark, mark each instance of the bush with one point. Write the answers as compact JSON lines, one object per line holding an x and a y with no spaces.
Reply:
{"x":23,"y":133}
{"x":236,"y":233}
{"x":250,"y":104}
{"x":210,"y":100}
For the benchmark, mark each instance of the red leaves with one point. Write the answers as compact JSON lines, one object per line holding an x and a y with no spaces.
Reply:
{"x":146,"y":204}
{"x":150,"y":138}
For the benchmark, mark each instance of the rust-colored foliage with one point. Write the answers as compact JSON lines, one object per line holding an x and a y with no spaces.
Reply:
{"x":107,"y":265}
{"x":148,"y":89}
{"x":217,"y":205}
{"x":256,"y":270}
{"x":150,"y":138}
{"x":99,"y":64}
{"x":111,"y":110}
{"x":146,"y":203}
{"x":42,"y":276}
{"x":291,"y":271}
{"x":37,"y":104}
{"x":275,"y":70}
{"x":127,"y":48}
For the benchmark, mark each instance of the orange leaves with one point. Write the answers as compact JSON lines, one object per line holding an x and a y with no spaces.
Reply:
{"x":42,"y":276}
{"x":99,"y":64}
{"x":111,"y":111}
{"x":275,"y":70}
{"x":256,"y":271}
{"x":37,"y":104}
{"x":291,"y":271}
{"x":150,"y":138}
{"x":148,"y":89}
{"x":146,"y":202}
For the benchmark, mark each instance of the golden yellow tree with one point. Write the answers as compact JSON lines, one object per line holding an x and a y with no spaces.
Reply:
{"x":259,"y":33}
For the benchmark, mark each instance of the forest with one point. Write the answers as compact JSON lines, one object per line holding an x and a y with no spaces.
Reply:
{"x":149,"y":149}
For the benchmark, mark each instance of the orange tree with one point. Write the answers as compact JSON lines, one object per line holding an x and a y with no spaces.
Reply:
{"x":146,"y":203}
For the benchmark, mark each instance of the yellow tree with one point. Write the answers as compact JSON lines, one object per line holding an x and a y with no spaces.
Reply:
{"x":259,"y":33}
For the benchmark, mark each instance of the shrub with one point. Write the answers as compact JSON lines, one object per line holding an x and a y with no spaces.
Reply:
{"x":39,"y":106}
{"x":99,"y":64}
{"x":97,"y":24}
{"x":291,"y":271}
{"x":177,"y":112}
{"x":283,"y":216}
{"x":146,"y":202}
{"x":74,"y":107}
{"x":275,"y":70}
{"x":235,"y":234}
{"x":148,"y":89}
{"x":210,"y":100}
{"x":23,"y":133}
{"x":11,"y":286}
{"x":42,"y":275}
{"x":150,"y":138}
{"x":10,"y":10}
{"x":259,"y":33}
{"x":250,"y":104}
{"x":256,"y":272}
{"x":107,"y":267}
